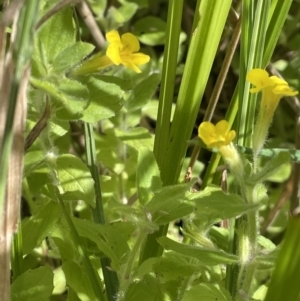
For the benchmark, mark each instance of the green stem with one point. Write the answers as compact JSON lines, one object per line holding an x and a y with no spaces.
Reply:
{"x":247,"y":251}
{"x":93,"y":276}
{"x":231,"y":269}
{"x":17,"y":254}
{"x":161,"y":145}
{"x":252,"y":225}
{"x":125,"y":280}
{"x":183,"y":288}
{"x":110,"y":277}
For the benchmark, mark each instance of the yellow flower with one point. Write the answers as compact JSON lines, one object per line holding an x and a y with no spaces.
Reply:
{"x":121,"y":50}
{"x":216,"y":136}
{"x":220,"y":136}
{"x":262,"y":81}
{"x":273,"y":88}
{"x":124,"y":50}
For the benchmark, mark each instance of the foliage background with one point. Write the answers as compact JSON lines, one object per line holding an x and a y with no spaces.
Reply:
{"x":106,"y":154}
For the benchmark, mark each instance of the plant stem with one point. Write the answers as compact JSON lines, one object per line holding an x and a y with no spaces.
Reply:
{"x":110,"y":277}
{"x":17,"y":254}
{"x":93,"y":276}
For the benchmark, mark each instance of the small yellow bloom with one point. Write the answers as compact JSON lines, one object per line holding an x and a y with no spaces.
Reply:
{"x":262,"y":81}
{"x":121,"y":50}
{"x":216,"y":136}
{"x":124,"y":50}
{"x":273,"y":89}
{"x":220,"y":136}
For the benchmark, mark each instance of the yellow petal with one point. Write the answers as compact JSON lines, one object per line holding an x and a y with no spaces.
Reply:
{"x":230,"y":136}
{"x":284,"y":90}
{"x":222,"y":128}
{"x":259,"y":78}
{"x":278,"y":81}
{"x":122,"y":50}
{"x":131,"y":66}
{"x":113,"y":53}
{"x":140,"y":58}
{"x":130,"y":43}
{"x":113,"y":37}
{"x":206,"y":132}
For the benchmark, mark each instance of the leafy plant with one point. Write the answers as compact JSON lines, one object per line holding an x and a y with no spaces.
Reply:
{"x":120,"y":199}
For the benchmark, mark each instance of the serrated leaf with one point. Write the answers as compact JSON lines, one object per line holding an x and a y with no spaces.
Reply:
{"x":104,"y":100}
{"x":71,"y":56}
{"x":69,"y":97}
{"x":39,"y":226}
{"x":148,"y":175}
{"x":207,"y":292}
{"x":75,"y":179}
{"x":142,"y":93}
{"x":204,"y":255}
{"x":33,"y":285}
{"x":214,"y":205}
{"x":77,"y":280}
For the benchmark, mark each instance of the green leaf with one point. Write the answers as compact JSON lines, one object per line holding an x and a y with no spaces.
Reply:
{"x":148,"y":289}
{"x":277,"y":161}
{"x":151,"y":109}
{"x":207,"y":292}
{"x":33,"y":285}
{"x":125,"y":84}
{"x":148,"y":176}
{"x":170,"y":267}
{"x":71,"y":56}
{"x":204,"y":255}
{"x":104,"y":100}
{"x":122,"y":14}
{"x":35,"y":229}
{"x":283,"y":285}
{"x":143,"y":92}
{"x":98,"y":7}
{"x":57,"y":34}
{"x":109,"y":239}
{"x":150,"y":30}
{"x":75,"y":179}
{"x":107,"y":151}
{"x":69,"y":97}
{"x":34,"y":159}
{"x":77,"y":280}
{"x":214,"y":205}
{"x":265,"y":260}
{"x":137,"y":138}
{"x":63,"y":240}
{"x":168,"y":203}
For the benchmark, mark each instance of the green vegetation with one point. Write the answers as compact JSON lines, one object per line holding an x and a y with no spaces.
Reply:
{"x":107,"y":191}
